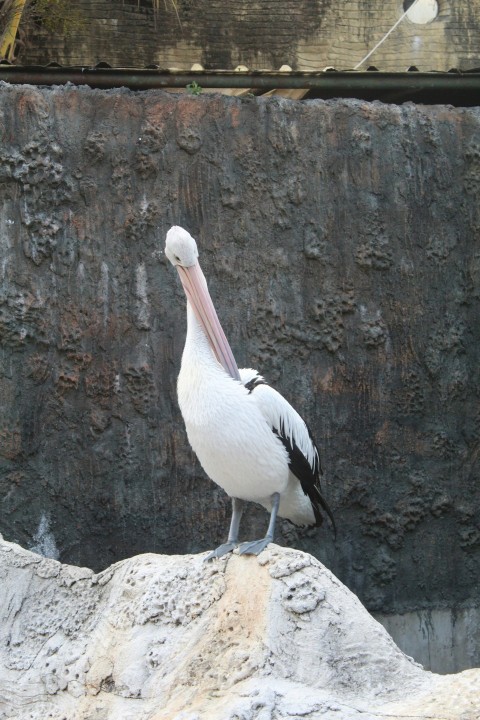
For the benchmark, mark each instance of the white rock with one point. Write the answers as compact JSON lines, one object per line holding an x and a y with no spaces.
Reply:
{"x":173,"y":638}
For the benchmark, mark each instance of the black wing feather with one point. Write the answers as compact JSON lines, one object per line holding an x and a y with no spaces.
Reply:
{"x":253,"y":383}
{"x":308,"y":476}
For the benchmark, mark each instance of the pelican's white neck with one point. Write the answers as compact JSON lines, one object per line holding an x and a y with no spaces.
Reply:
{"x":197,"y":348}
{"x":200,"y":371}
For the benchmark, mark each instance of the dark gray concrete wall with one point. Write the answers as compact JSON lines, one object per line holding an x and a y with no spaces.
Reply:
{"x":341,"y":243}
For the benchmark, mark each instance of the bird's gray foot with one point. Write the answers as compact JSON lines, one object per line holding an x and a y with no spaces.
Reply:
{"x":232,"y":541}
{"x":222,"y":550}
{"x":254,"y":547}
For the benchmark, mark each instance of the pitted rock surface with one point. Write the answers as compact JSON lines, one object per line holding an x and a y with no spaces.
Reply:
{"x":173,"y":638}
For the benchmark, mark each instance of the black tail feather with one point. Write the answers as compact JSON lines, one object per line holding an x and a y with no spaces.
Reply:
{"x":316,"y":498}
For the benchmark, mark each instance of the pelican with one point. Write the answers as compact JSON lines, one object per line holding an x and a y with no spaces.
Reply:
{"x":247,"y":437}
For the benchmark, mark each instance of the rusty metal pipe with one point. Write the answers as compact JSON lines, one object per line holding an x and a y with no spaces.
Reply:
{"x":329,"y":84}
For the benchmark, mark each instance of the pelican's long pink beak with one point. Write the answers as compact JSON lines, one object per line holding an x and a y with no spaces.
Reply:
{"x":196,"y":290}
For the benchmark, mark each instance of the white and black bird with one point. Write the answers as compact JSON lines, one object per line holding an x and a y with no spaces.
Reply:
{"x":248,"y":438}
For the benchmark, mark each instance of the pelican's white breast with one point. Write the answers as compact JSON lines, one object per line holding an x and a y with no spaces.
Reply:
{"x":230,"y":436}
{"x":225,"y":428}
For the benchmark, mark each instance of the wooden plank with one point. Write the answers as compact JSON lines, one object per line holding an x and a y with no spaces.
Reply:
{"x":290,"y":93}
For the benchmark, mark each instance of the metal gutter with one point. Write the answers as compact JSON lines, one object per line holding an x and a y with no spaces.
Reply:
{"x":451,"y":87}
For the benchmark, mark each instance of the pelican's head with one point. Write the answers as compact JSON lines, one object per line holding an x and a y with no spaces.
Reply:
{"x":181,"y":250}
{"x":180,"y":247}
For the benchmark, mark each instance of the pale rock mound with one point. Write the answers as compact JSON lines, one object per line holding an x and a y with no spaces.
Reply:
{"x":173,"y":638}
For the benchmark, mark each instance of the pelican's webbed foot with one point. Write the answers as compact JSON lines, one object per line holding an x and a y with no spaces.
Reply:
{"x":255,"y":547}
{"x":222,"y":550}
{"x":232,"y":542}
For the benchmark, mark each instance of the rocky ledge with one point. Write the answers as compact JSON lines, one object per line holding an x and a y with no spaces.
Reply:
{"x":174,"y":638}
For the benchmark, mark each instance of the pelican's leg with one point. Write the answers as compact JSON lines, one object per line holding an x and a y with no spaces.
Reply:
{"x":232,"y":542}
{"x":254,"y":547}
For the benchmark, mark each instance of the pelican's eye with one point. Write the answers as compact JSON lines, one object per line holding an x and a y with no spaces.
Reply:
{"x":177,"y":258}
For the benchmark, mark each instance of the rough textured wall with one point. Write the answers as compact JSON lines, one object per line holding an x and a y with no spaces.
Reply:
{"x":341,"y":242}
{"x":306,"y":34}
